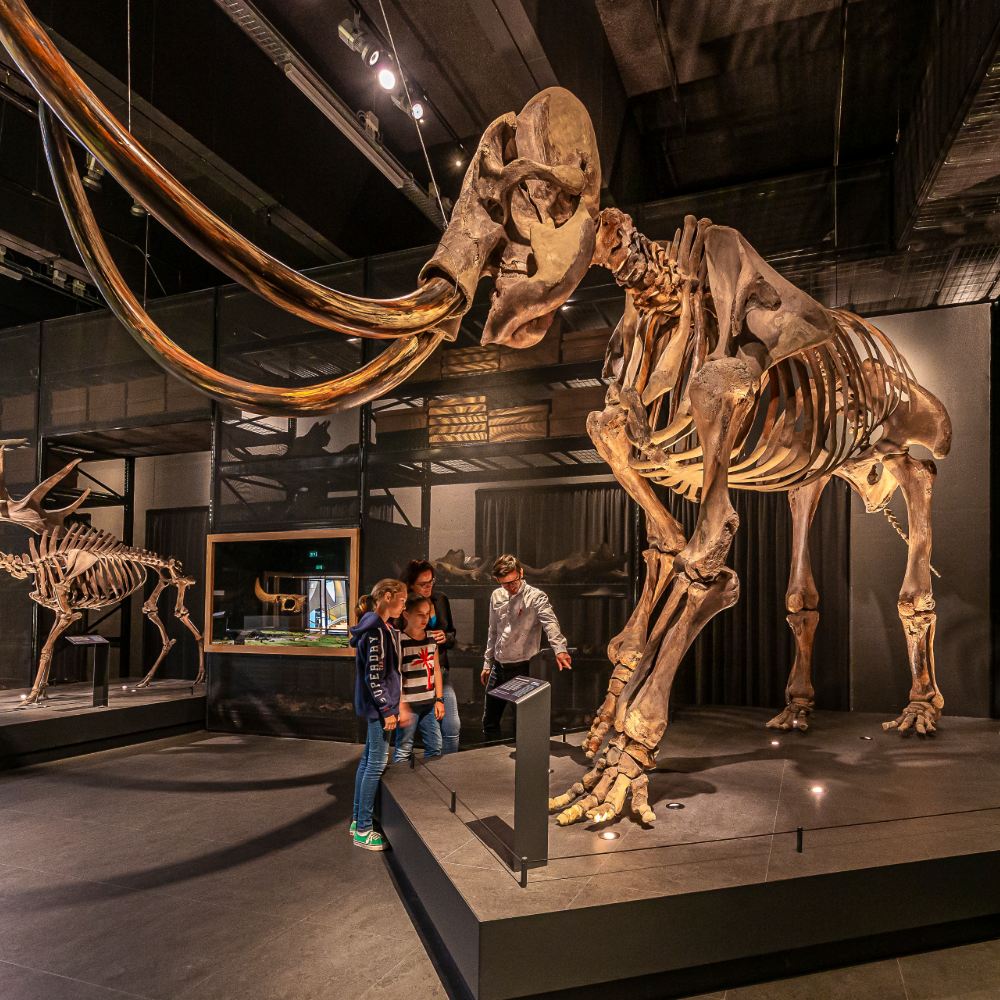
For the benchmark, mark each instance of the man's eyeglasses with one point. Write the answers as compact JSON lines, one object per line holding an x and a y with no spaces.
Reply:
{"x":510,"y":581}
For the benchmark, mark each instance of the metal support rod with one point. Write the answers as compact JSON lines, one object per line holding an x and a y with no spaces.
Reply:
{"x":454,"y":801}
{"x":128,"y":537}
{"x":524,"y":873}
{"x":413,"y":761}
{"x":798,"y":839}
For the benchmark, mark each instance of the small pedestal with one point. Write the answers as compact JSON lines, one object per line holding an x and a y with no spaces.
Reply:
{"x":533,"y":699}
{"x":97,"y":654}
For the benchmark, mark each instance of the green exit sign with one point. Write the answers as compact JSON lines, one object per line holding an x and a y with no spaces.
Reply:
{"x":319,"y":566}
{"x":314,"y":554}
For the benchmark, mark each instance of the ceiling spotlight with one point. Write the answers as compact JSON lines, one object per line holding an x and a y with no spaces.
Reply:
{"x":417,"y":111}
{"x":387,"y":78}
{"x":459,"y":161}
{"x":817,"y":789}
{"x":58,"y":277}
{"x":92,"y":178}
{"x":358,"y":40}
{"x":136,"y":209}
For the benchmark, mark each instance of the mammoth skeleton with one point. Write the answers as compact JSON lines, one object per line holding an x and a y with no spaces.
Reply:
{"x":81,"y":568}
{"x":722,"y":375}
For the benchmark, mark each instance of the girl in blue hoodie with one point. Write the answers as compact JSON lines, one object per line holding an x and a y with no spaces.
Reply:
{"x":376,"y":699}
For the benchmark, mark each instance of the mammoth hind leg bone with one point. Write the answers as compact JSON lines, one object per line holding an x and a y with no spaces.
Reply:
{"x":802,"y":604}
{"x":916,"y":601}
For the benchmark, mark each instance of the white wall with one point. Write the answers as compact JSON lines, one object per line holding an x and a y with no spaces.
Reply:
{"x":949,"y":350}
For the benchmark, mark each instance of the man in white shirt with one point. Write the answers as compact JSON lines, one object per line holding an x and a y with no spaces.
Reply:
{"x":518,"y":613}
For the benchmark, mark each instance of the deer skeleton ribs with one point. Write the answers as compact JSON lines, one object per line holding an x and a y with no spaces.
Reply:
{"x":723,"y":375}
{"x":81,"y":568}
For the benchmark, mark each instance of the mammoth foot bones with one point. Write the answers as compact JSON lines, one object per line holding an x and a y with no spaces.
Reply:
{"x":619,"y":776}
{"x":795,"y":715}
{"x":921,"y":716}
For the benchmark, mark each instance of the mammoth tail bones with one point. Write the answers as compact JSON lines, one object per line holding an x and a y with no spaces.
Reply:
{"x":722,"y":375}
{"x":81,"y":568}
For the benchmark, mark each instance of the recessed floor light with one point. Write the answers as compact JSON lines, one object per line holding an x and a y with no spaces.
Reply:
{"x":817,"y":789}
{"x":609,"y":835}
{"x":864,"y":737}
{"x":775,"y":743}
{"x":675,"y":805}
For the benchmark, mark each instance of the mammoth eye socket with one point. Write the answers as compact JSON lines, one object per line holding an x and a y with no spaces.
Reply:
{"x":495,"y":211}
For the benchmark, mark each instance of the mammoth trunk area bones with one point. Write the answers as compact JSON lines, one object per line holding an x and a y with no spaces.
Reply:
{"x":81,"y":568}
{"x":722,"y":375}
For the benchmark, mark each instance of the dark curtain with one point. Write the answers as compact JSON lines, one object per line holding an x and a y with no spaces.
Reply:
{"x":181,"y":534}
{"x":744,"y":655}
{"x":544,"y":524}
{"x":541,"y":525}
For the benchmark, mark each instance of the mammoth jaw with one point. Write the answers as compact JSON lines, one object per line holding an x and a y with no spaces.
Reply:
{"x":523,"y":307}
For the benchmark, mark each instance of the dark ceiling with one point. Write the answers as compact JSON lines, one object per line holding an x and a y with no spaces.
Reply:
{"x":849,"y":140}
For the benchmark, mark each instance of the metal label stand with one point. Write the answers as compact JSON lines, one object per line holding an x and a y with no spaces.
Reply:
{"x":533,"y":700}
{"x":97,"y":654}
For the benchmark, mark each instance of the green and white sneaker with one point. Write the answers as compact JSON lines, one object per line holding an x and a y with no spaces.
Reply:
{"x":370,"y":840}
{"x":354,"y":828}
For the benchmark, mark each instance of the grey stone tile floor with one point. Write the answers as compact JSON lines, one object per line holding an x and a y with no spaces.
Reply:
{"x":216,"y":867}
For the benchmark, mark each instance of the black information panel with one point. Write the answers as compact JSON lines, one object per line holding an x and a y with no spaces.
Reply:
{"x":97,"y":648}
{"x":517,"y":689}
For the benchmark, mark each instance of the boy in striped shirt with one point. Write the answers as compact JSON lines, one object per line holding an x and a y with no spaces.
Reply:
{"x":420,"y":669}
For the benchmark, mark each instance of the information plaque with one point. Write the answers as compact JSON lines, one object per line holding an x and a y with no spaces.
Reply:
{"x":97,"y":652}
{"x":532,"y":698}
{"x":517,"y":689}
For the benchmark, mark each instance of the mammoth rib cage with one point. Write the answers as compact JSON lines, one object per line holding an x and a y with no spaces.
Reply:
{"x":814,"y":411}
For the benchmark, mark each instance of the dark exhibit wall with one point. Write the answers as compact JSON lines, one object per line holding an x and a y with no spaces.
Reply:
{"x":949,"y":350}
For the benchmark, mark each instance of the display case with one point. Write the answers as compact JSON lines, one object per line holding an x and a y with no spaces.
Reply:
{"x":284,"y":592}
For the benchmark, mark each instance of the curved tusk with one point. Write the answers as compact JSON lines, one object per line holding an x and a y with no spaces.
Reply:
{"x":134,"y":167}
{"x":262,"y":595}
{"x":399,"y":360}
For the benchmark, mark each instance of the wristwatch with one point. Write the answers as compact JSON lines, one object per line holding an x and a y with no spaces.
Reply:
{"x":440,"y":700}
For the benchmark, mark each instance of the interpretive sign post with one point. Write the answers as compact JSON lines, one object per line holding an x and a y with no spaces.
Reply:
{"x":533,"y":698}
{"x":97,"y":653}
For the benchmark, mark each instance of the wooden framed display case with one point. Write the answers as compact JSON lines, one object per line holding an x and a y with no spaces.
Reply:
{"x":290,"y":593}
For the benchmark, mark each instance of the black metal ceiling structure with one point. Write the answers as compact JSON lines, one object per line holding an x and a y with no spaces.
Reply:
{"x":855,"y":142}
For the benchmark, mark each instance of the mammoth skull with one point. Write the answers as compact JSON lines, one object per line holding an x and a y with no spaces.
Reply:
{"x":527,"y":215}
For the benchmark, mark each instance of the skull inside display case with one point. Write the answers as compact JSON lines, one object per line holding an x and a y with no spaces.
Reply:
{"x":282,"y":591}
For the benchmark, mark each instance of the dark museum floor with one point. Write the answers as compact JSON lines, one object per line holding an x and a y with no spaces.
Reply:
{"x":219,"y":866}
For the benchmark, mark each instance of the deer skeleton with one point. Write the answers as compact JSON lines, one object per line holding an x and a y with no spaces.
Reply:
{"x":723,"y":375}
{"x":81,"y":568}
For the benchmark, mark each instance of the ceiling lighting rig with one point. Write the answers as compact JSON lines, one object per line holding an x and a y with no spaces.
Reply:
{"x":360,"y":39}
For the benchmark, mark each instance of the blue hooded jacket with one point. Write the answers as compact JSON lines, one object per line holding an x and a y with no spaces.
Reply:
{"x":377,"y":682}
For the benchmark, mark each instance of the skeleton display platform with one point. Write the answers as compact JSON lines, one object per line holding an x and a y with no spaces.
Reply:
{"x":898,"y":835}
{"x":66,"y":723}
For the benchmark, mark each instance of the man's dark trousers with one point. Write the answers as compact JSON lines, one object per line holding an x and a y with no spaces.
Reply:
{"x":493,"y":708}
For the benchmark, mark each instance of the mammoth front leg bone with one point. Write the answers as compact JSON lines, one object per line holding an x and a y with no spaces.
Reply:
{"x":721,"y":393}
{"x":802,"y":604}
{"x":916,"y":602}
{"x":607,"y":431}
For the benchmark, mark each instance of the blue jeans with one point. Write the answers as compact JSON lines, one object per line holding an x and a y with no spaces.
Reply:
{"x":370,"y":768}
{"x":451,"y":724}
{"x":430,"y":732}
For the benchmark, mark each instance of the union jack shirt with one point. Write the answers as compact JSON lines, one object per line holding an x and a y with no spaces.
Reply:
{"x":417,"y":669}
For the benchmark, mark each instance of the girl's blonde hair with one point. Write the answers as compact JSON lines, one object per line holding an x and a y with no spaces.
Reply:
{"x":381,"y":590}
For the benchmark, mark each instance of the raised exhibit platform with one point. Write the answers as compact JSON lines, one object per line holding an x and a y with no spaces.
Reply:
{"x":67,"y":723}
{"x":905,"y":834}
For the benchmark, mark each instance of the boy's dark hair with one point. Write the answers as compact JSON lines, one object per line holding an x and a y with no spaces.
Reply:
{"x":414,"y":568}
{"x":505,"y":564}
{"x":413,"y":600}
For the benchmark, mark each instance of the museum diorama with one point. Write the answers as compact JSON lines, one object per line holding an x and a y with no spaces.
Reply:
{"x":722,"y":472}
